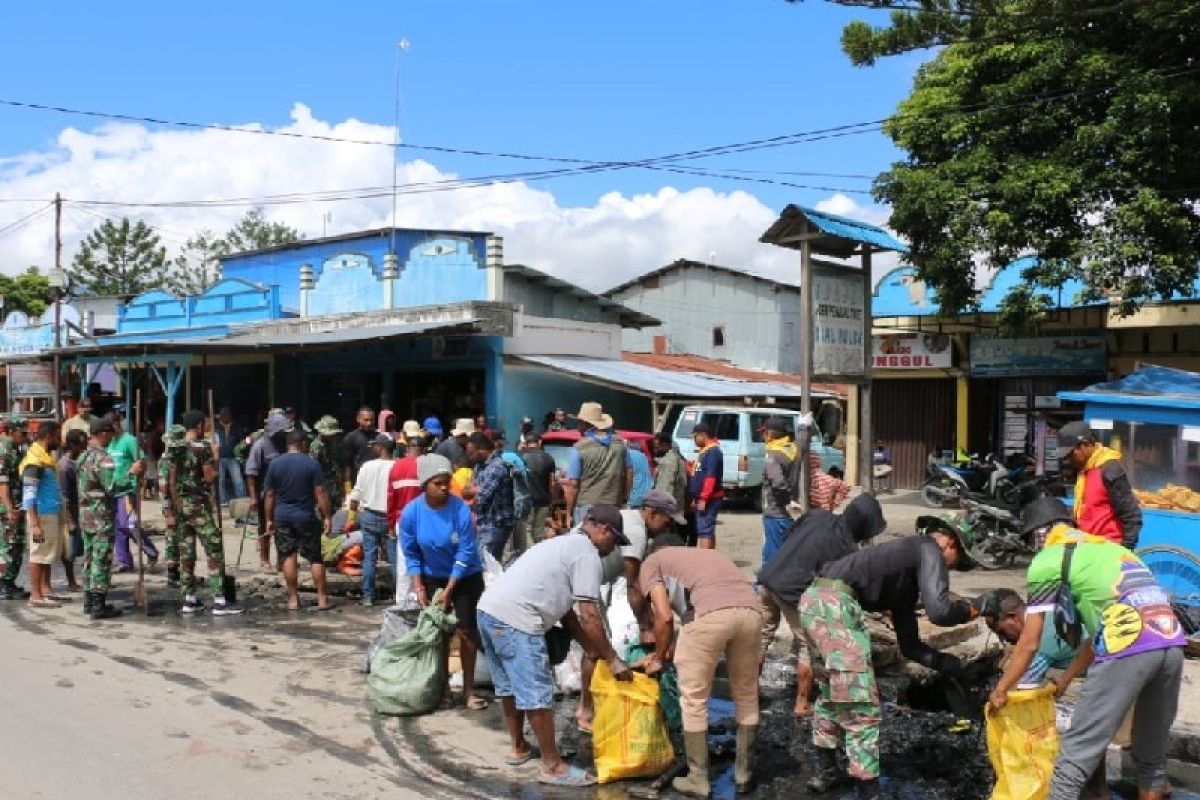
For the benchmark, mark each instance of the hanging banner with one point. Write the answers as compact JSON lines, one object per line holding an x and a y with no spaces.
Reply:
{"x":1050,"y":355}
{"x":912,"y":351}
{"x":839,"y":326}
{"x":30,"y":380}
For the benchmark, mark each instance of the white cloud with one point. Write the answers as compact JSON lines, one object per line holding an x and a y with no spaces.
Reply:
{"x":596,"y":246}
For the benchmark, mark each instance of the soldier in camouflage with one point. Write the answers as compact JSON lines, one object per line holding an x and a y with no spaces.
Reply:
{"x":192,"y":473}
{"x":173,"y":439}
{"x":892,"y":577}
{"x":323,"y":449}
{"x":96,"y":473}
{"x":12,"y":521}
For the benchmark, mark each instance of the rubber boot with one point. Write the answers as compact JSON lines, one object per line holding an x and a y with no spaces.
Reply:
{"x":743,"y":778}
{"x":173,"y":577}
{"x":826,"y":773}
{"x":868,"y":790}
{"x":101,"y":609}
{"x":695,"y":784}
{"x":88,"y":602}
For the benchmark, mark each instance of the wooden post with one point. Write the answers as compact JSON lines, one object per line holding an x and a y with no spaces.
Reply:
{"x":806,"y":356}
{"x":866,"y":437}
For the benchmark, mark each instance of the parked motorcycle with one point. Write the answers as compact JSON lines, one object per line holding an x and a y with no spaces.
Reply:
{"x":999,"y":541}
{"x":946,"y":484}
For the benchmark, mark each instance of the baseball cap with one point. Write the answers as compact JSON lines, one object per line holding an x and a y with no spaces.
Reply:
{"x":102,"y":424}
{"x":659,"y":500}
{"x":433,"y":425}
{"x":383,"y":440}
{"x":609,"y":517}
{"x":1073,"y":433}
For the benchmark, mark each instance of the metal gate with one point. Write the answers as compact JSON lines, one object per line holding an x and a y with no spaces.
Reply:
{"x":915,"y":418}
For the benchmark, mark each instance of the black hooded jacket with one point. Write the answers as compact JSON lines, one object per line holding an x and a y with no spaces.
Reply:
{"x":816,"y":539}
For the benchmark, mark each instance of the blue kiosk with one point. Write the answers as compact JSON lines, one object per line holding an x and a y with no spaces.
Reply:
{"x":1152,"y":417}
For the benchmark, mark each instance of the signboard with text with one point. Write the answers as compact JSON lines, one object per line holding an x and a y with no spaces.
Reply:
{"x":994,"y":357}
{"x":912,"y":351}
{"x":839,"y":325}
{"x":30,"y":380}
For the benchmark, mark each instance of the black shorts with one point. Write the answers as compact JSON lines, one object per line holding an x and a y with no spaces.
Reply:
{"x":467,"y":592}
{"x":299,"y":537}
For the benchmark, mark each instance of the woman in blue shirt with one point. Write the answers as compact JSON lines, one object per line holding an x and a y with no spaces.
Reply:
{"x":441,"y":551}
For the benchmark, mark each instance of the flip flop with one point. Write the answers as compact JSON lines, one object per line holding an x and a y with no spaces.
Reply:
{"x":315,"y":609}
{"x":44,"y":603}
{"x":476,"y":703}
{"x":516,"y":761}
{"x":574,"y":776}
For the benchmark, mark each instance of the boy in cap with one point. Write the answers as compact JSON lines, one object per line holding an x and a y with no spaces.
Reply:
{"x":1104,"y":502}
{"x":705,"y":485}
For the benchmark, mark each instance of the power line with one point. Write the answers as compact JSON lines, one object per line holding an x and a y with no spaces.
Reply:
{"x":16,"y":225}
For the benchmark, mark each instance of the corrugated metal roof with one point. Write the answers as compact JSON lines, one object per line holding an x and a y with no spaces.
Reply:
{"x":679,"y":362}
{"x":649,"y":381}
{"x":842,"y":237}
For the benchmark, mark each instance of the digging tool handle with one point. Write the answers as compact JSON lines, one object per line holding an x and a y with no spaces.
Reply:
{"x":139,"y":591}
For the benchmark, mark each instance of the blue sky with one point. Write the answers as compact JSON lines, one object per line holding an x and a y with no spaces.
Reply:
{"x":600,"y":81}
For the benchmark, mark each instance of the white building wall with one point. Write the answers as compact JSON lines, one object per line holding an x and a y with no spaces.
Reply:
{"x":760,"y":319}
{"x":548,"y":336}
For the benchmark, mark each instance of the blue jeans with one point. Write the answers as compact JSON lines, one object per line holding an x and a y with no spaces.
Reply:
{"x":519,"y":663}
{"x":230,"y":468}
{"x":493,"y":539}
{"x":775,"y":530}
{"x":374,"y":527}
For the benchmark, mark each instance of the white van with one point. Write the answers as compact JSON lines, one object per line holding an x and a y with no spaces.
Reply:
{"x":740,"y":432}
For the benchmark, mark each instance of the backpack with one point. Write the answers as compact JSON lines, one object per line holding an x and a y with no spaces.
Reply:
{"x":522,"y":500}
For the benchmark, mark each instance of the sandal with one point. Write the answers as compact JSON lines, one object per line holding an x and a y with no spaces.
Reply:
{"x":574,"y":776}
{"x":45,"y":602}
{"x":476,"y":703}
{"x":326,"y":607}
{"x":516,"y":761}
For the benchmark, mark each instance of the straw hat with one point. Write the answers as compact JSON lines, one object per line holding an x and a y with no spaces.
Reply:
{"x":463,"y":427}
{"x":593,"y":414}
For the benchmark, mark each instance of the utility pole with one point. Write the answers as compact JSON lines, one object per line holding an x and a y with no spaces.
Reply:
{"x":58,"y":289}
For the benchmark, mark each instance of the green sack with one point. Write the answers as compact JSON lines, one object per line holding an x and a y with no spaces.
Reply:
{"x":406,"y":674}
{"x":668,"y":688}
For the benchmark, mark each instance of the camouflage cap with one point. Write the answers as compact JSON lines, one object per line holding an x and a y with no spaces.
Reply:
{"x":16,"y":422}
{"x":328,"y":425}
{"x":175,"y":436}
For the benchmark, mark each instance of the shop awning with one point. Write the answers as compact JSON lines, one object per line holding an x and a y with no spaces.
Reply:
{"x":664,"y":384}
{"x":1150,"y":386}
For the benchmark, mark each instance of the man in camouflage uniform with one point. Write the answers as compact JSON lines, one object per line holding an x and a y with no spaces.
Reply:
{"x":12,"y":521}
{"x":174,"y":438}
{"x":324,"y":449}
{"x":96,"y":473}
{"x":192,"y":474}
{"x":892,"y":577}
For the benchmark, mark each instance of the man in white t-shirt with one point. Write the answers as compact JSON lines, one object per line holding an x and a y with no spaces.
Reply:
{"x":542,"y":587}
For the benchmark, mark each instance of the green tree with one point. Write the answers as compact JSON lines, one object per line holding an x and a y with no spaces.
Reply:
{"x":254,"y":232}
{"x":119,"y":258}
{"x":198,"y":265}
{"x":1067,"y":129}
{"x":28,"y":292}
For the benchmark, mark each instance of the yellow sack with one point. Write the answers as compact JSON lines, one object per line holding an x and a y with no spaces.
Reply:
{"x":629,"y":734}
{"x":1022,"y":744}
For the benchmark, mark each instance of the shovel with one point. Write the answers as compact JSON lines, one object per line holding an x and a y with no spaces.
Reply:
{"x":141,"y":598}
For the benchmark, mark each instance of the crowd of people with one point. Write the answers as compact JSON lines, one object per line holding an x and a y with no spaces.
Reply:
{"x":438,"y":503}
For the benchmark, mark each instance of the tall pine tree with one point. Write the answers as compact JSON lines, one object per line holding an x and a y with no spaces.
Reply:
{"x":120,"y":258}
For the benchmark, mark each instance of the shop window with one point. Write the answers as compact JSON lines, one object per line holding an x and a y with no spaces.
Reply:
{"x":1163,"y":463}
